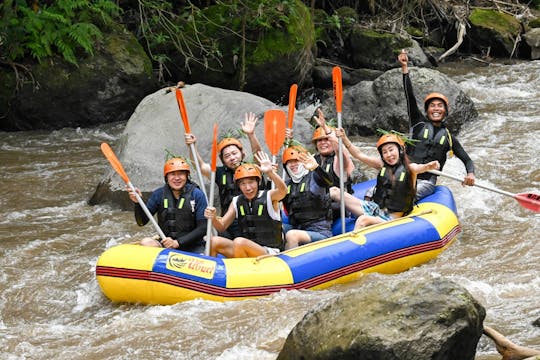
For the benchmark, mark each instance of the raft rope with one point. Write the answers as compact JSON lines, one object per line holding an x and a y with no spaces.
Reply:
{"x":337,"y":237}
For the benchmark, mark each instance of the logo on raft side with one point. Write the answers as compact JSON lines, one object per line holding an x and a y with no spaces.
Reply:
{"x":191,"y":265}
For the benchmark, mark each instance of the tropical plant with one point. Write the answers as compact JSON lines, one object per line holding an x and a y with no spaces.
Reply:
{"x":59,"y":27}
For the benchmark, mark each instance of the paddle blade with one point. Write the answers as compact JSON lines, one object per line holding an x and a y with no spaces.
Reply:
{"x":115,"y":163}
{"x":182,"y":108}
{"x":529,"y":201}
{"x":274,"y":130}
{"x":214,"y":149}
{"x":292,"y":105}
{"x":338,"y":91}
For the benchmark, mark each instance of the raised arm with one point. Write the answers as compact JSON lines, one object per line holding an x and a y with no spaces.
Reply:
{"x":422,"y":168}
{"x":374,"y":162}
{"x":280,"y":190}
{"x":205,"y":167}
{"x":248,"y":127}
{"x":415,"y":115}
{"x":220,"y":223}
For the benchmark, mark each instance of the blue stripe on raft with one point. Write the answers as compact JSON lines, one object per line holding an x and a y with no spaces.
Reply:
{"x":219,"y":279}
{"x":378,"y":243}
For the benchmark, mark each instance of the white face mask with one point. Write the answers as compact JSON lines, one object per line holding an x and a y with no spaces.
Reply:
{"x":301,"y":171}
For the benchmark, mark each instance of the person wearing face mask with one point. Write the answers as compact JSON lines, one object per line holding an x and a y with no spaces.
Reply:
{"x":433,"y":139}
{"x":395,"y":189}
{"x":179,"y":205}
{"x":231,"y":154}
{"x":308,"y":203}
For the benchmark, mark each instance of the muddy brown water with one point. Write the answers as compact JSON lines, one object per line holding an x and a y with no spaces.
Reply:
{"x":51,"y":306}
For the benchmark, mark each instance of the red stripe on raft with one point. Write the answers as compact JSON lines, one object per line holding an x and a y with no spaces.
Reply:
{"x":267,"y":290}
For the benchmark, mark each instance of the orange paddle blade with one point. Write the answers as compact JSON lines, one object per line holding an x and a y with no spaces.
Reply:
{"x":274,"y":129}
{"x":338,"y":91}
{"x":183,"y":112}
{"x":529,"y":201}
{"x":214,"y":149}
{"x":292,"y":105}
{"x":115,"y":163}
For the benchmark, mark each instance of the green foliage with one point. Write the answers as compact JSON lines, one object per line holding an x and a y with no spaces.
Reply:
{"x":63,"y":28}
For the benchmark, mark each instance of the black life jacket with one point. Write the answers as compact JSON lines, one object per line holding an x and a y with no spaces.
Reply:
{"x":432,"y":145}
{"x":393,"y":190}
{"x":303,"y":206}
{"x":177,"y":217}
{"x":226,"y":186}
{"x":256,"y":224}
{"x":327,"y":164}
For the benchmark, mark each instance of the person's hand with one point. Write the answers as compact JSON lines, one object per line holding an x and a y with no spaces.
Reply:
{"x":132,"y":194}
{"x":320,"y":118}
{"x":210,"y":212}
{"x":403,"y":59}
{"x":340,"y":133}
{"x":469,"y":179}
{"x":170,"y":243}
{"x":288,"y":133}
{"x":249,"y":125}
{"x":308,"y":160}
{"x":433,"y":165}
{"x":190,"y":139}
{"x":265,"y":165}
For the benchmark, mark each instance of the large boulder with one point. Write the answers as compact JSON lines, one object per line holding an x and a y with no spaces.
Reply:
{"x":532,"y":37}
{"x":407,"y":319}
{"x":381,"y":103}
{"x":155,"y":128}
{"x":103,"y":88}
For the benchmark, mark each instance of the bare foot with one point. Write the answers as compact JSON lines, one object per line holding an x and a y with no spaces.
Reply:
{"x":508,"y":349}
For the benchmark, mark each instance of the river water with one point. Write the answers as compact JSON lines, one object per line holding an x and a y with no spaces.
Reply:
{"x":51,"y":306}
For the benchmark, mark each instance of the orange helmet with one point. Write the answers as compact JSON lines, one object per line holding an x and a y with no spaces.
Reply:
{"x":175,"y":164}
{"x":246,"y":170}
{"x":228,"y":141}
{"x":319,"y":133}
{"x":433,"y":96}
{"x":390,"y":138}
{"x":292,"y":153}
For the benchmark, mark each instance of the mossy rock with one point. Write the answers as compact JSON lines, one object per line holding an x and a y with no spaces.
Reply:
{"x":278,"y":48}
{"x":494,"y":29}
{"x":376,"y":50}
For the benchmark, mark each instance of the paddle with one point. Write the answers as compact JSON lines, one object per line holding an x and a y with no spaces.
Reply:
{"x":292,"y":105}
{"x":338,"y":95}
{"x":183,"y":115}
{"x":212,"y":186}
{"x":290,"y":112}
{"x":117,"y":166}
{"x":529,"y":201}
{"x":274,"y":131}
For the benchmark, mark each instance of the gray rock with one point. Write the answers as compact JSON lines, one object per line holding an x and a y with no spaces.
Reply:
{"x":532,"y":37}
{"x":406,"y":320}
{"x":156,"y":127}
{"x":370,"y":105}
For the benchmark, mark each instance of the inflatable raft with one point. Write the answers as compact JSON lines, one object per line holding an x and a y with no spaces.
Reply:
{"x":138,"y":274}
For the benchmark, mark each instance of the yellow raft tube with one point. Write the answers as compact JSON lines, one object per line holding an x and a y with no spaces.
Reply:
{"x":138,"y":274}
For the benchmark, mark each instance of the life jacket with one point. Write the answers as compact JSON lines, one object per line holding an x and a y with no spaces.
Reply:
{"x":177,"y":217}
{"x":327,"y":164}
{"x":255,"y":222}
{"x":226,"y":186}
{"x":430,"y":146}
{"x":303,"y":206}
{"x":393,"y":191}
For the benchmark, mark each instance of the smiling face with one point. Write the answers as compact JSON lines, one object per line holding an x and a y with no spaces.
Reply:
{"x":390,"y":153}
{"x":436,"y":110}
{"x":324,"y":146}
{"x":231,"y":156}
{"x":293,"y":166}
{"x":249,"y":187}
{"x":177,"y":179}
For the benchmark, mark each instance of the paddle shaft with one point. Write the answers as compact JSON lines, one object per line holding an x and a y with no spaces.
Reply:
{"x":146,"y":211}
{"x":198,"y":168}
{"x":440,"y":173}
{"x":341,"y":174}
{"x":209,"y":223}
